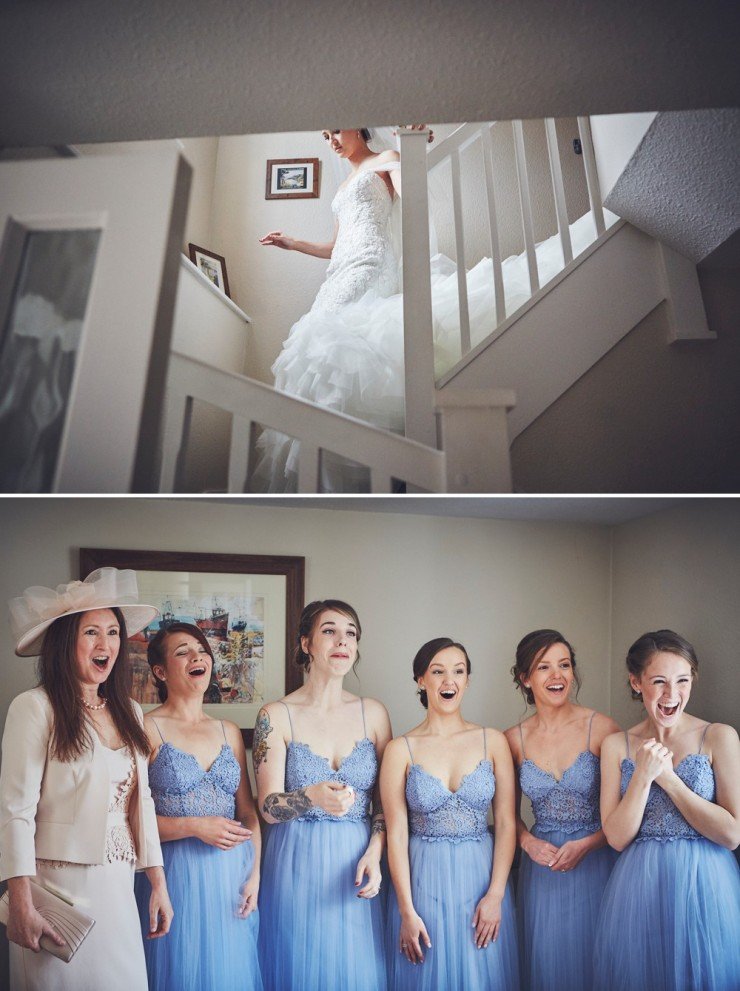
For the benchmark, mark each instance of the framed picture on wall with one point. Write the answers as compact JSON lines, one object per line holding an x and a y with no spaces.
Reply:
{"x":292,"y":179}
{"x":213,"y":266}
{"x":247,"y":605}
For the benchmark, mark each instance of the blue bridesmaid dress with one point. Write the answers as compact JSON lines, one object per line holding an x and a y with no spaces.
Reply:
{"x":670,"y":918}
{"x":315,"y":933}
{"x":557,"y":912}
{"x":451,"y":859}
{"x":208,"y":945}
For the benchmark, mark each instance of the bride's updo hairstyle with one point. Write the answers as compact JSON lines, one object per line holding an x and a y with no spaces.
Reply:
{"x":661,"y":641}
{"x":307,"y":624}
{"x":426,"y":654}
{"x":528,"y":652}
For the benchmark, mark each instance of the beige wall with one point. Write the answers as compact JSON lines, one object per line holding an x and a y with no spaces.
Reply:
{"x":680,"y":570}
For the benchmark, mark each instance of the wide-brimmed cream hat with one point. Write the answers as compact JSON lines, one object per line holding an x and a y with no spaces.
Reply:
{"x":32,"y":613}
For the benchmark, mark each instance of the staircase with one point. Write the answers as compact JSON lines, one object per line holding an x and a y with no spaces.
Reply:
{"x":536,"y":344}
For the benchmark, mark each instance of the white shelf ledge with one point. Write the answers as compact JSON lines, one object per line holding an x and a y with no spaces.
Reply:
{"x":196,"y":272}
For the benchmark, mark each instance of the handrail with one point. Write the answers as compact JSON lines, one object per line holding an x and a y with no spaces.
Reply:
{"x":387,"y":455}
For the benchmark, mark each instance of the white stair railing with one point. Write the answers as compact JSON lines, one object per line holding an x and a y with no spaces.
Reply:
{"x":388,"y":456}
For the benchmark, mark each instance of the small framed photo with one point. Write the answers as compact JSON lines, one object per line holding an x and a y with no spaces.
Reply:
{"x":213,"y":266}
{"x":292,"y":179}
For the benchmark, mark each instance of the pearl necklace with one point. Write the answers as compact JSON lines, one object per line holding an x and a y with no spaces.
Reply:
{"x":101,"y":705}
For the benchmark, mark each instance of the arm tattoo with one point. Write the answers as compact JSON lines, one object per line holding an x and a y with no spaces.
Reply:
{"x":262,"y":730}
{"x":378,"y":825}
{"x":284,"y":806}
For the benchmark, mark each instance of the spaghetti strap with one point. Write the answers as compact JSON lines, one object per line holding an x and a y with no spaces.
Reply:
{"x":223,"y":730}
{"x":287,"y":709}
{"x":521,"y":737}
{"x":590,"y":724}
{"x":627,"y":741}
{"x":409,"y":746}
{"x":158,"y":729}
{"x":362,"y":708}
{"x":701,"y":742}
{"x":485,"y":748}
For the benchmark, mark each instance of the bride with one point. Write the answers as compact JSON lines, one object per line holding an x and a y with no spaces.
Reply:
{"x":346,"y":353}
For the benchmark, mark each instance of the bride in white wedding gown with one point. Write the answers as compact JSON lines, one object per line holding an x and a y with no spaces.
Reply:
{"x":347,"y":352}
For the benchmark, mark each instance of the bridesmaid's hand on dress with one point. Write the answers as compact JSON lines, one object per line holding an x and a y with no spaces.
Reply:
{"x":653,"y":760}
{"x":540,"y":851}
{"x":160,"y":910}
{"x":368,"y":864}
{"x":278,"y":240}
{"x":413,"y":931}
{"x":248,"y":897}
{"x":570,"y":855}
{"x":220,"y":832}
{"x":335,"y":798}
{"x":487,"y":920}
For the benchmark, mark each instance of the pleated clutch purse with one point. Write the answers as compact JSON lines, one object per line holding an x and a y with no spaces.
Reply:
{"x":71,"y":924}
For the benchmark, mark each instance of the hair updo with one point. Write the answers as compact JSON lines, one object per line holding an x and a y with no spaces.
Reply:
{"x":310,"y":617}
{"x":365,"y":133}
{"x":642,"y":650}
{"x":528,"y":652}
{"x":426,"y":654}
{"x":156,"y":654}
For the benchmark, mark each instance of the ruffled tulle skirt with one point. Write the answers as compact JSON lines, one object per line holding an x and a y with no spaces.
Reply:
{"x":561,"y":960}
{"x":351,"y":358}
{"x":315,"y":933}
{"x":670,"y":919}
{"x":208,"y":945}
{"x":447,"y":881}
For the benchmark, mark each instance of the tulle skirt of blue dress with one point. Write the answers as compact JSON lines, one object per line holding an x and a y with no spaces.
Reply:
{"x":315,"y":933}
{"x":670,"y":919}
{"x":208,"y":946}
{"x":560,"y":960}
{"x":448,"y":879}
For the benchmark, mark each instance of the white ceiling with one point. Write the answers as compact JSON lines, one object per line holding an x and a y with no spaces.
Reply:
{"x":84,"y":71}
{"x":609,"y":511}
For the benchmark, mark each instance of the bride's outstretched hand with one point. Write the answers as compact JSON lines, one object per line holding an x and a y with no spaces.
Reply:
{"x":278,"y":240}
{"x":417,"y":127}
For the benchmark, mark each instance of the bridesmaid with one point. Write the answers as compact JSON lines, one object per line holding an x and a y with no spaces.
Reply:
{"x":208,"y":826}
{"x":565,"y":863}
{"x":316,"y":756}
{"x":451,"y":924}
{"x":670,"y":799}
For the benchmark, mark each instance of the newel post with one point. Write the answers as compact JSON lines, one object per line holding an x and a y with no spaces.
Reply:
{"x":417,"y":289}
{"x":474,"y":435}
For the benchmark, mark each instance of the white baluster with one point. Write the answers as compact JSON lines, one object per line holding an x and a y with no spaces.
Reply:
{"x":462,"y":281}
{"x":309,"y":460}
{"x":558,"y":189}
{"x":525,"y":201}
{"x":592,"y":176}
{"x":498,"y":278}
{"x":176,"y":435}
{"x":239,"y":453}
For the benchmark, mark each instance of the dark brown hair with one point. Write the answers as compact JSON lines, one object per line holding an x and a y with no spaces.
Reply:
{"x":639,"y":654}
{"x":57,"y":676}
{"x":528,"y":652}
{"x":426,"y":654}
{"x":365,"y":133}
{"x":156,"y":653}
{"x":309,"y":619}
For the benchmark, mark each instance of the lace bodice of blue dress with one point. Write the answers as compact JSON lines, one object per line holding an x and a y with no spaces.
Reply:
{"x":661,"y":820}
{"x":359,"y":769}
{"x":180,"y":787}
{"x":436,"y":813}
{"x":568,"y":804}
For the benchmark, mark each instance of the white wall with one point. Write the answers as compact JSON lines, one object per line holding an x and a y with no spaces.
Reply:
{"x":680,"y":570}
{"x":616,"y":137}
{"x":411,"y":579}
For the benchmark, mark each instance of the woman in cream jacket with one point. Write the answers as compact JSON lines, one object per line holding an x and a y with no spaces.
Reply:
{"x":75,"y":807}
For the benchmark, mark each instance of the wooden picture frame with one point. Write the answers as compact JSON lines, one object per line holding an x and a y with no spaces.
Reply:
{"x":213,"y":266}
{"x":292,"y":179}
{"x":253,"y":649}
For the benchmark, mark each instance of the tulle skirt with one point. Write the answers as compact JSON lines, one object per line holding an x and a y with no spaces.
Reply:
{"x":208,"y":946}
{"x":447,"y":881}
{"x":670,"y":919}
{"x":560,"y":959}
{"x":350,"y":358}
{"x":315,"y":933}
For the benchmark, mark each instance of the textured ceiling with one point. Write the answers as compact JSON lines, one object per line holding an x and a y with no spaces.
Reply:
{"x":84,"y":71}
{"x":682,"y":185}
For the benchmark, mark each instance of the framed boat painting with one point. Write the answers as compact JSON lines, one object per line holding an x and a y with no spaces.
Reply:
{"x":247,"y":605}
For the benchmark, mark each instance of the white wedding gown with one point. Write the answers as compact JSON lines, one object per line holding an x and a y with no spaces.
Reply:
{"x":346,"y":353}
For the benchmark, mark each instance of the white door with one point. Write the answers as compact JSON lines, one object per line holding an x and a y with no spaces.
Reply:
{"x":89,"y":260}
